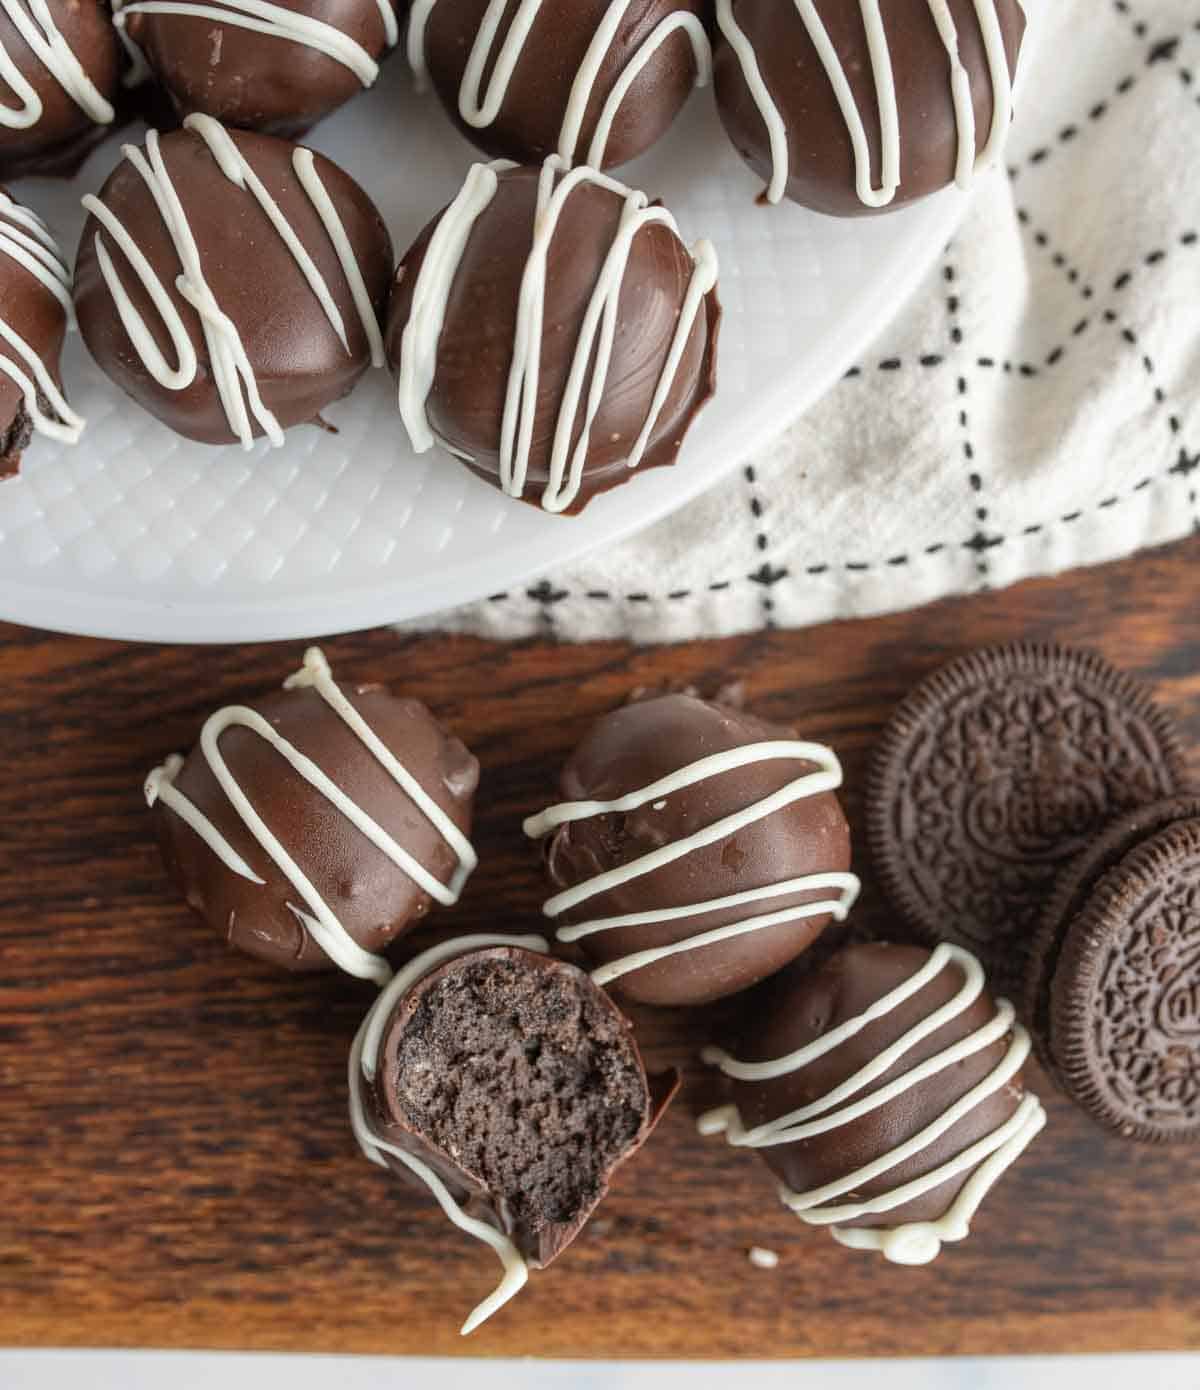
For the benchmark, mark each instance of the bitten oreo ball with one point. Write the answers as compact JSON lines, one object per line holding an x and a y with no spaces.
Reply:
{"x":552,"y":332}
{"x":594,"y":81}
{"x":855,"y":106}
{"x":698,"y":849}
{"x":993,"y":775}
{"x":60,"y":76}
{"x":276,"y":67}
{"x":885,"y":1093}
{"x":35,"y":302}
{"x":315,"y":826}
{"x":232,"y":283}
{"x":510,"y":1088}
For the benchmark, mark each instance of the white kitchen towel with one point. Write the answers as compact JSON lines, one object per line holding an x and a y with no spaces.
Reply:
{"x":1037,"y":407}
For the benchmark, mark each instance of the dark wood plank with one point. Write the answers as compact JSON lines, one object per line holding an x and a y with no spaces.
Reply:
{"x":175,"y":1163}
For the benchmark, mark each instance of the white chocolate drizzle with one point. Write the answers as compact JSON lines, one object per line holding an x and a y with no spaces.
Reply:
{"x":762,"y":1258}
{"x":364,"y":1067}
{"x":916,"y":1242}
{"x":592,"y":357}
{"x":35,"y":23}
{"x":883,"y":73}
{"x":319,"y":919}
{"x":232,"y":371}
{"x":276,"y":22}
{"x":843,"y":888}
{"x":479,"y":108}
{"x":25,"y":239}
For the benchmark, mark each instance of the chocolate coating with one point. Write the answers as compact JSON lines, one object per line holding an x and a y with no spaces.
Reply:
{"x":36,"y":315}
{"x":632,"y":748}
{"x":252,"y":80}
{"x":374,"y":900}
{"x":64,"y":132}
{"x":298,"y":360}
{"x":821,"y":172}
{"x":530,"y":120}
{"x":520,"y":1084}
{"x":843,"y":989}
{"x":466,"y":403}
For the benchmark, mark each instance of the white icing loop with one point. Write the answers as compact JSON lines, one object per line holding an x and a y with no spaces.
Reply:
{"x":883,"y":74}
{"x":986,"y":1160}
{"x":480,"y":108}
{"x":364,"y":1066}
{"x":304,"y":163}
{"x":844,"y":886}
{"x":232,"y":371}
{"x":25,"y":239}
{"x":327,"y":931}
{"x":592,"y":357}
{"x":276,"y":22}
{"x":423,"y":331}
{"x":35,"y":24}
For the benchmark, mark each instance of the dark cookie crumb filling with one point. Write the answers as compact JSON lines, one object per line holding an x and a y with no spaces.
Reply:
{"x":526,"y":1080}
{"x":15,"y":440}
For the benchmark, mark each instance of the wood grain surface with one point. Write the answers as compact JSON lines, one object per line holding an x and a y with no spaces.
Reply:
{"x":176,"y":1167}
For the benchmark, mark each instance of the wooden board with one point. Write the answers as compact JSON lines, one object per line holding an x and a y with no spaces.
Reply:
{"x":175,"y":1163}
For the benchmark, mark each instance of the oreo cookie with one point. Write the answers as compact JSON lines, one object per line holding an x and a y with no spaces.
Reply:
{"x":1071,"y":893}
{"x":1124,"y":1001}
{"x":995,"y":773}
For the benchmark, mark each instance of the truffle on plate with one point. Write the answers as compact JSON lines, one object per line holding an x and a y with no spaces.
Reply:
{"x":276,"y":67}
{"x":510,"y":1087}
{"x":698,"y":849}
{"x":885,"y":1092}
{"x":551,"y":330}
{"x":231,"y":283}
{"x":596,"y":81}
{"x":35,"y":302}
{"x":850,"y":108}
{"x":315,"y":826}
{"x":62,"y":67}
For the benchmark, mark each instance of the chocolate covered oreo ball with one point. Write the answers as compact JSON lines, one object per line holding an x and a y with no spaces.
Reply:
{"x":552,"y":331}
{"x":232,"y":283}
{"x":596,"y":81}
{"x":509,"y":1087}
{"x":276,"y":67}
{"x":697,"y":850}
{"x":885,"y":1093}
{"x":315,"y":826}
{"x":35,"y":301}
{"x":60,"y":74}
{"x":855,"y":106}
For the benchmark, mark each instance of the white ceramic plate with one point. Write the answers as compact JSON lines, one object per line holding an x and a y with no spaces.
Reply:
{"x":138,"y":534}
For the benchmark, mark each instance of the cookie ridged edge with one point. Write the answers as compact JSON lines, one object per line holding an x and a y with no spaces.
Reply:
{"x":1103,"y":919}
{"x":970,"y":671}
{"x":1071,"y":892}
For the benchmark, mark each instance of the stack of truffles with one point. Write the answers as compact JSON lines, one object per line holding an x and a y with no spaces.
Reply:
{"x":550,"y":329}
{"x":1031,"y":823}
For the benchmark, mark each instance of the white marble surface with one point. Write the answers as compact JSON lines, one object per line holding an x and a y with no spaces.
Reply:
{"x":82,"y":1370}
